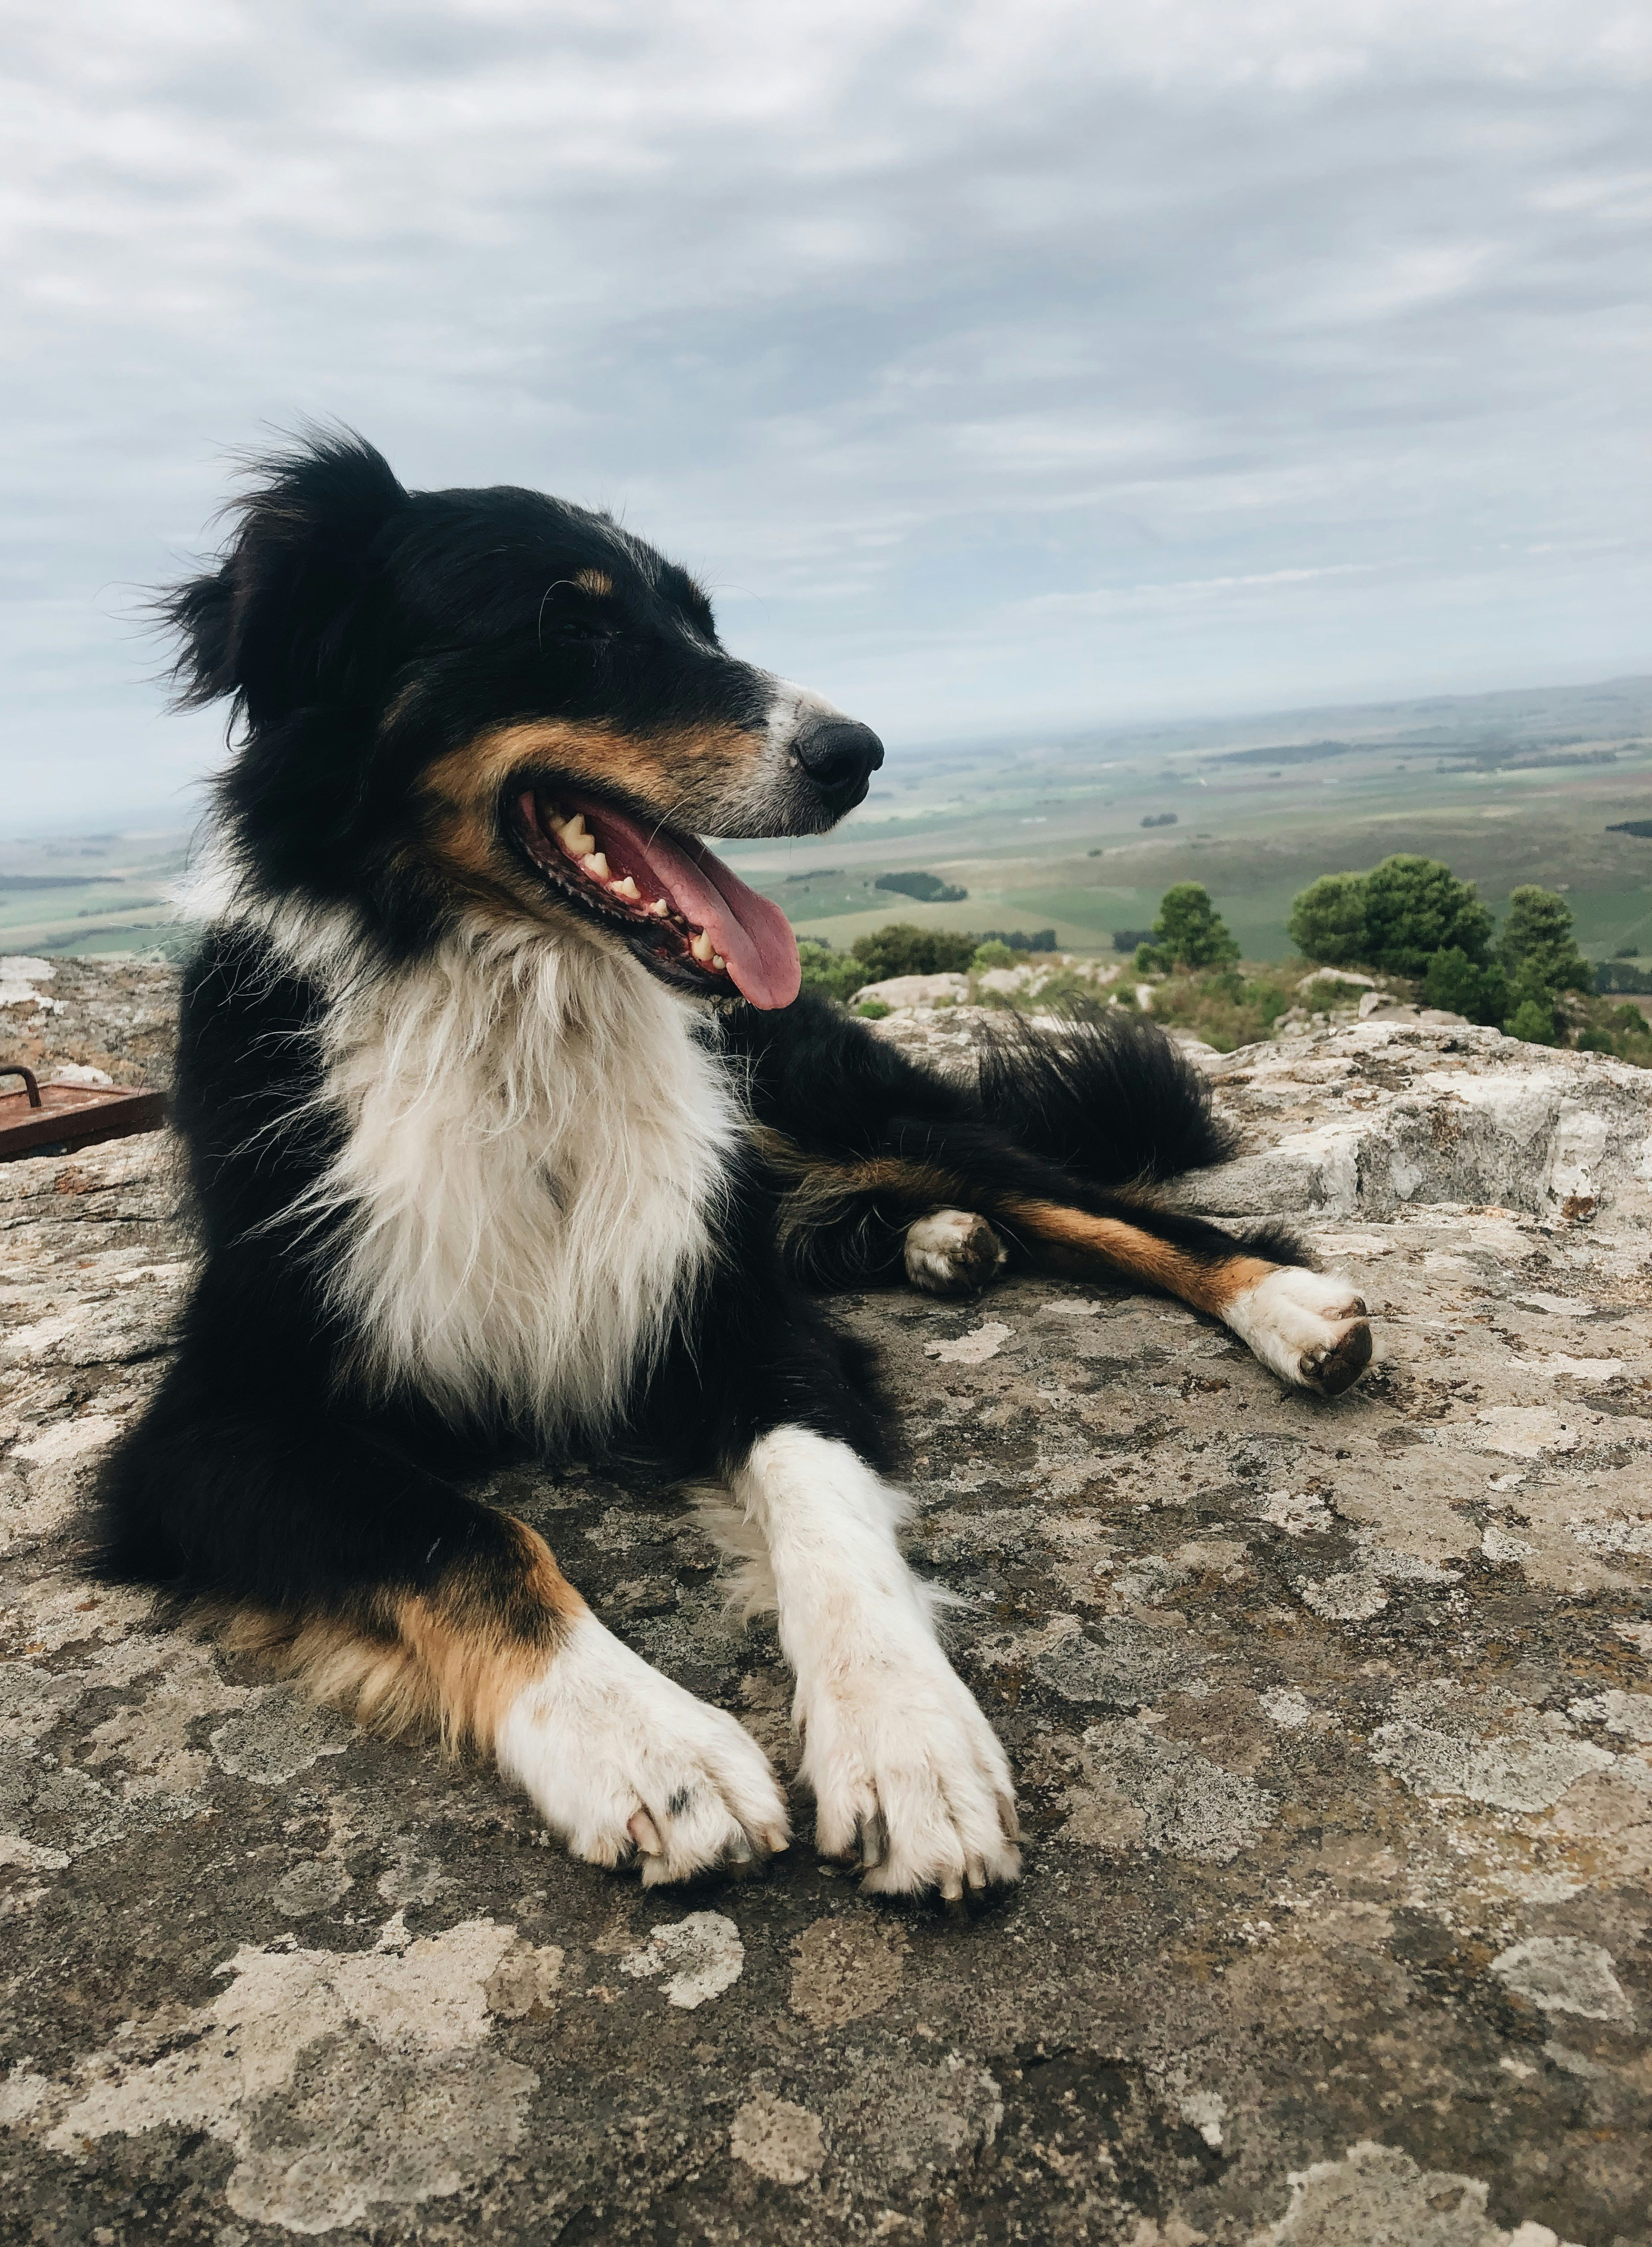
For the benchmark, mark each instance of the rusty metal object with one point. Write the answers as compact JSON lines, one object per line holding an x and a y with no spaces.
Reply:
{"x":46,"y":1118}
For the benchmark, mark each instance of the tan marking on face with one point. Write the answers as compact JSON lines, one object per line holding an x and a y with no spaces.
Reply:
{"x":673,"y":775}
{"x":449,"y":1663}
{"x":656,"y":771}
{"x":595,"y":581}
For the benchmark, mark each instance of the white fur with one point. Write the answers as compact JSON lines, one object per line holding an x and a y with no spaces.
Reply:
{"x":1293,"y":1320}
{"x":617,"y":1759}
{"x":900,"y":1758}
{"x":790,"y":705}
{"x":535,"y":1142}
{"x":952,"y":1251}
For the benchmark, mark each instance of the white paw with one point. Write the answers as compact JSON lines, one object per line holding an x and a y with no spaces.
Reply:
{"x":1308,"y":1326}
{"x":908,"y":1776}
{"x":952,"y":1253}
{"x":621,"y":1762}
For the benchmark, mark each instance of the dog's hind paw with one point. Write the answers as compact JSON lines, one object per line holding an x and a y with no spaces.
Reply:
{"x":1309,"y":1327}
{"x":952,"y":1251}
{"x":625,"y":1765}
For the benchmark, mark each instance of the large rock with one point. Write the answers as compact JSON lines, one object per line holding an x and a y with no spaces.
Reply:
{"x":1382,"y":1117}
{"x":1332,"y":1723}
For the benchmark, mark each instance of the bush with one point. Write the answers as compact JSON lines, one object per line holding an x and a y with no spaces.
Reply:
{"x":1533,"y":1022}
{"x":1222,"y":1007}
{"x":928,"y":889}
{"x":825,"y":969}
{"x":1415,"y":908}
{"x":1041,"y":940}
{"x":1537,"y":944}
{"x":1623,"y":974}
{"x":992,"y":954}
{"x":872,"y":1010}
{"x":902,"y":949}
{"x":1394,"y":918}
{"x":1454,"y":982}
{"x":1623,"y":1031}
{"x":1127,"y":940}
{"x":1328,"y":921}
{"x":1189,"y":933}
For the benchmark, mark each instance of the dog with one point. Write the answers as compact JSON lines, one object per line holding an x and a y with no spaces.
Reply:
{"x":509,"y":1134}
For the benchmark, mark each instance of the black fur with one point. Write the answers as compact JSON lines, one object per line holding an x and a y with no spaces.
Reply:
{"x":359,"y":633}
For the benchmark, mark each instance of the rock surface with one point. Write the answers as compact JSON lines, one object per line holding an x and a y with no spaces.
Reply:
{"x":1332,"y":1725}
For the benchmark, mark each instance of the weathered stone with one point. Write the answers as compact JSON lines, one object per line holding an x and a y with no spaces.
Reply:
{"x":1331,"y":1726}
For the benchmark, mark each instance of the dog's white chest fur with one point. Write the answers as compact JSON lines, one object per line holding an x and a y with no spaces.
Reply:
{"x":536,"y":1140}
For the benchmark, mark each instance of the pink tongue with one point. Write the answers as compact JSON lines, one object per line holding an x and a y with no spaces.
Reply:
{"x":753,"y":936}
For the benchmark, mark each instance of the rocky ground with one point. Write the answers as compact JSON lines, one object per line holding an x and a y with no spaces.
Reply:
{"x":1332,"y":1723}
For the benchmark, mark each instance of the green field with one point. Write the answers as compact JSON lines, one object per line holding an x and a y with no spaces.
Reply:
{"x":1049,"y":832}
{"x":1505,"y":788}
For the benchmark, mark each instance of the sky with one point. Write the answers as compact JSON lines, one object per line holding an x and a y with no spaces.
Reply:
{"x":1001,"y":368}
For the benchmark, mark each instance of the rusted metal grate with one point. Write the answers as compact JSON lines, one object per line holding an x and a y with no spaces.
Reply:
{"x":44,"y":1118}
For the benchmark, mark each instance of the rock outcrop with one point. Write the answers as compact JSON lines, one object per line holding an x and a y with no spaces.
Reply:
{"x":1333,"y":1725}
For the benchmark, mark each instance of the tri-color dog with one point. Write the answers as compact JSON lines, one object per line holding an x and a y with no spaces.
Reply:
{"x":510,"y":1133}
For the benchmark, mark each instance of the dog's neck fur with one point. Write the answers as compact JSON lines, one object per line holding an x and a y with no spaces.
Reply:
{"x":537,"y":1135}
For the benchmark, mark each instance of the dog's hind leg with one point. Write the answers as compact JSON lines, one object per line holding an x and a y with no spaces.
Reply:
{"x":966,"y":1202}
{"x":330,"y":1549}
{"x":1310,"y":1328}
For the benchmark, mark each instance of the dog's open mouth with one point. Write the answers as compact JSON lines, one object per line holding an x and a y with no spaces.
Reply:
{"x":677,"y":905}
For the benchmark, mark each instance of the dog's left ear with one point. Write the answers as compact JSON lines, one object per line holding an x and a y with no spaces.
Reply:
{"x":286,"y":621}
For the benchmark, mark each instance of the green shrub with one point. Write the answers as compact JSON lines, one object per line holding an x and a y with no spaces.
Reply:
{"x":928,"y":889}
{"x":872,"y":1010}
{"x":1538,"y":946}
{"x":1222,"y":1007}
{"x":1395,"y":918}
{"x":1415,"y":908}
{"x":1454,"y":982}
{"x":902,"y":949}
{"x":1189,"y":933}
{"x":992,"y":954}
{"x":1328,"y":921}
{"x":825,"y":969}
{"x":1533,"y":1022}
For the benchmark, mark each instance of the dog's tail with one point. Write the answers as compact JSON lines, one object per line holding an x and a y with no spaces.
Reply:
{"x":1108,"y":1094}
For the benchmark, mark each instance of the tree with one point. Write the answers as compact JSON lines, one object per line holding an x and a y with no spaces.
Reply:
{"x":836,"y":973}
{"x":1328,"y":920}
{"x":1538,"y":947}
{"x":1453,"y":981}
{"x":1415,"y":908}
{"x":902,"y":948}
{"x":1189,"y":933}
{"x":1533,"y":1022}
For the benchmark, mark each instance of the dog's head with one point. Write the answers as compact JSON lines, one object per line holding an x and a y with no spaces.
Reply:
{"x":494,"y":703}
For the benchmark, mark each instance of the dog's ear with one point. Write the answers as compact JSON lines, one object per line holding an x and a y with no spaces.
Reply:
{"x":286,"y":620}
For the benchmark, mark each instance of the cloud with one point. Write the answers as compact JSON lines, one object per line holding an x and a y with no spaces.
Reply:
{"x":907,"y":325}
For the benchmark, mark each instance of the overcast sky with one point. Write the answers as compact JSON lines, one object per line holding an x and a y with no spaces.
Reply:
{"x":1001,"y":367}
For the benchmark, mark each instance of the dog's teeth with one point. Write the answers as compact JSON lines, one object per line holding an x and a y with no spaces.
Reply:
{"x":580,"y":846}
{"x":703,"y":949}
{"x":718,"y":961}
{"x":626,"y":889}
{"x":597,"y":867}
{"x":658,"y":906}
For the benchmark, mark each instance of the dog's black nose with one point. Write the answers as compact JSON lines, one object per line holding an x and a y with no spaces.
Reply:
{"x":839,"y":756}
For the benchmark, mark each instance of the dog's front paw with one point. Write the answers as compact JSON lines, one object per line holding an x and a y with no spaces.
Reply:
{"x":1308,"y":1326}
{"x":909,"y":1778}
{"x":621,"y":1763}
{"x":952,"y":1251}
